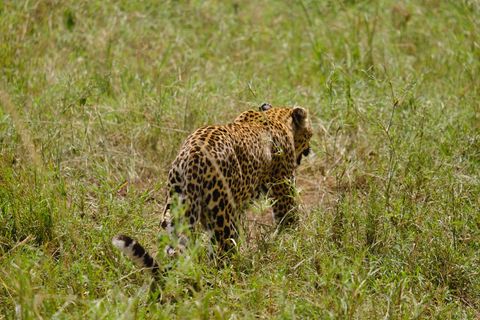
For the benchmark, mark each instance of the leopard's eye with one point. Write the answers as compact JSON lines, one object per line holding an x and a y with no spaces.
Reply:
{"x":306,"y":152}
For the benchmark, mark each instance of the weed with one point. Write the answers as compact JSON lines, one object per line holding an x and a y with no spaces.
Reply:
{"x":96,"y":97}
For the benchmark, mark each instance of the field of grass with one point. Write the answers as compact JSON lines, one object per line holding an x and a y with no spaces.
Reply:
{"x":96,"y":97}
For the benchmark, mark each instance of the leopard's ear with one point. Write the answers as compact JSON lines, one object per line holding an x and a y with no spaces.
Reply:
{"x":265,"y":107}
{"x":299,"y":115}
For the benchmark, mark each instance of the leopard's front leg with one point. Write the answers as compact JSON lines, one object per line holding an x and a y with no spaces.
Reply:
{"x":285,"y":206}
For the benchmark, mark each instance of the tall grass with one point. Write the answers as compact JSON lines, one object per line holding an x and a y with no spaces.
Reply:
{"x":96,"y":97}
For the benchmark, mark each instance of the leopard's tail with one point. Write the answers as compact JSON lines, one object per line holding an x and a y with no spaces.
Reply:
{"x":137,"y":253}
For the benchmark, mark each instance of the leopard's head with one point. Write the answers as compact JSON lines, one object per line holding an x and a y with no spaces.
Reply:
{"x":297,"y":119}
{"x":302,"y":132}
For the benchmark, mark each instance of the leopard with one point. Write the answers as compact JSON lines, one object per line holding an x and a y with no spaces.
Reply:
{"x":220,"y":169}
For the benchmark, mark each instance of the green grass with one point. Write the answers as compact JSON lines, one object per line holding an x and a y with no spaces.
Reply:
{"x":96,"y":97}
